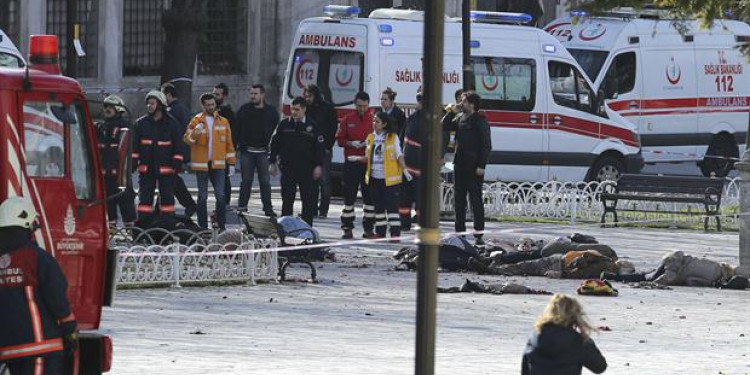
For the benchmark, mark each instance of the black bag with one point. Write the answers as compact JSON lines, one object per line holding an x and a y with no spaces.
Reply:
{"x":736,"y":282}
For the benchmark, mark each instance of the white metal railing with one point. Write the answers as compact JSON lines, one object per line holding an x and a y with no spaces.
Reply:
{"x":197,"y":263}
{"x":579,"y":201}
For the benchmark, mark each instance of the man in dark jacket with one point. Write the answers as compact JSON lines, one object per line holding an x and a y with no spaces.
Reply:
{"x":297,"y":149}
{"x":324,"y":115}
{"x":37,"y":327}
{"x":255,"y":124}
{"x":180,"y":112}
{"x":108,"y":134}
{"x":412,"y":150}
{"x":157,"y":154}
{"x":221,"y":92}
{"x":473,"y":146}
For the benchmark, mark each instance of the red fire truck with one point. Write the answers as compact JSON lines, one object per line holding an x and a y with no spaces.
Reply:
{"x":49,"y":154}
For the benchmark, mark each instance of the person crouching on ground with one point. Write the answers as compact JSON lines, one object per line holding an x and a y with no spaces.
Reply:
{"x":561,"y":343}
{"x":385,"y":168}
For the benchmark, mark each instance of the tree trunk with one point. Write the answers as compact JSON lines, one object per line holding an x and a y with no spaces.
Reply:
{"x":184,"y":23}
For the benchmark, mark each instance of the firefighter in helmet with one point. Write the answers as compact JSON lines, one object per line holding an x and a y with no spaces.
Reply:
{"x":157,"y":155}
{"x":37,"y":327}
{"x":109,"y":134}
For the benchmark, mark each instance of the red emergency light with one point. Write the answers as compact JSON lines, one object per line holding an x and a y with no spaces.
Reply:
{"x":44,"y":53}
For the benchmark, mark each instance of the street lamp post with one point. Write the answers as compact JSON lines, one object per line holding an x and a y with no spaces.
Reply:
{"x":744,"y":168}
{"x":429,"y":185}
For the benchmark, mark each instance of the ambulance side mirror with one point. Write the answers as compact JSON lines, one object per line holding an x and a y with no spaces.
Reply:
{"x":124,"y":156}
{"x":599,"y":103}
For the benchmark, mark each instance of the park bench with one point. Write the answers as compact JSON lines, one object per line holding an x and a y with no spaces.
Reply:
{"x":679,"y":189}
{"x":269,"y":227}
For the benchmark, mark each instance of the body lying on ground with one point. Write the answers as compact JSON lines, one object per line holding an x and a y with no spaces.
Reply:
{"x":573,"y":265}
{"x":676,"y":268}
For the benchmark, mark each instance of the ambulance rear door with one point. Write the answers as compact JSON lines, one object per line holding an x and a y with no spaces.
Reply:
{"x":669,"y":126}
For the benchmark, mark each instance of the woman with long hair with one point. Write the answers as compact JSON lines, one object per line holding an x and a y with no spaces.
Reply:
{"x":561,"y":343}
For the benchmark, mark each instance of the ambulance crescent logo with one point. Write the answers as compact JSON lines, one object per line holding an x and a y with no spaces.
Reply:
{"x":69,"y":222}
{"x":592,"y":32}
{"x":674,"y":73}
{"x":4,"y":261}
{"x":298,"y":76}
{"x":490,"y":83}
{"x":344,"y":81}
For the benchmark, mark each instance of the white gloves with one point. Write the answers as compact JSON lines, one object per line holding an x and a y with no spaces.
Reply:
{"x":407,"y":175}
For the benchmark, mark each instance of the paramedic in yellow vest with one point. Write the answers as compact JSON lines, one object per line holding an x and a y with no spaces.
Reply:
{"x":385,"y":169}
{"x":211,"y":151}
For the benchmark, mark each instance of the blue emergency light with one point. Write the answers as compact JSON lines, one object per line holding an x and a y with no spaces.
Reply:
{"x":385,"y":28}
{"x":500,"y":17}
{"x":579,"y":13}
{"x":474,"y":44}
{"x":341,"y":11}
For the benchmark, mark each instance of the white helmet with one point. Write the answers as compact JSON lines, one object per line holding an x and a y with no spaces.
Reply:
{"x":116,"y":102}
{"x":158,"y":95}
{"x":17,"y":212}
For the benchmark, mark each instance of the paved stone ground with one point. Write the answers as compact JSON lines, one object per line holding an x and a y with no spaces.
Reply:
{"x":360,"y":317}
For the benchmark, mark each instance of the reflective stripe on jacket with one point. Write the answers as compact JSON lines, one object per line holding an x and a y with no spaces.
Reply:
{"x":221,"y":143}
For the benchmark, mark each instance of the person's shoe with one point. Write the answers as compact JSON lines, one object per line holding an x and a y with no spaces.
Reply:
{"x":369,"y":235}
{"x":395,"y":239}
{"x":479,"y":241}
{"x":271,"y":214}
{"x":348,"y":235}
{"x":322,"y":215}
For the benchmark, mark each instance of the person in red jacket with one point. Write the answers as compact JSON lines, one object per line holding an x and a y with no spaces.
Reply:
{"x":352,"y":135}
{"x":37,"y":326}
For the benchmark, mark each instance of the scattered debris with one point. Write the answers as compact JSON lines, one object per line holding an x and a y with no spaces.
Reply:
{"x":198,"y":332}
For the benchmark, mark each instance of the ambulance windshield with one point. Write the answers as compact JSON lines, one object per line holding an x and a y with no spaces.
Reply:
{"x":337,"y":73}
{"x":591,"y":61}
{"x":8,"y":60}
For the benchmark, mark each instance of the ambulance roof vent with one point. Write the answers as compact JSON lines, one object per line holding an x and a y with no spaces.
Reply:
{"x":500,"y":17}
{"x":341,"y":11}
{"x":398,"y":14}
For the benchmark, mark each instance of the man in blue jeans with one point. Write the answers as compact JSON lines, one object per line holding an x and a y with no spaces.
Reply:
{"x":254,"y":124}
{"x":212,"y":151}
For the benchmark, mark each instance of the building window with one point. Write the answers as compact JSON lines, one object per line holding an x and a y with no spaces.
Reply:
{"x":10,"y":17}
{"x":143,"y":37}
{"x":88,"y":19}
{"x":223,"y":45}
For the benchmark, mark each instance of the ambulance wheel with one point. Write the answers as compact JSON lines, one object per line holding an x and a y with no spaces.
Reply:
{"x":607,"y":167}
{"x":724,"y":147}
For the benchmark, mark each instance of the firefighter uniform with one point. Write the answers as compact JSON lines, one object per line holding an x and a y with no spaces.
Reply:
{"x":355,"y":128}
{"x":410,"y":189}
{"x":157,"y":154}
{"x":37,"y":323}
{"x":298,"y":147}
{"x":109,"y":134}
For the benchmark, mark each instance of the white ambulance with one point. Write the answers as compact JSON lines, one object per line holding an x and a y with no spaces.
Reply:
{"x":544,"y":117}
{"x":686,"y":91}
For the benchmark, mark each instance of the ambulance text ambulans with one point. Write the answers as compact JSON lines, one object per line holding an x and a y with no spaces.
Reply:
{"x":545,"y":119}
{"x":685,"y":87}
{"x":49,"y":154}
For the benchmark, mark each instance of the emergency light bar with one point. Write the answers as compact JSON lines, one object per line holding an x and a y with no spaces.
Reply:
{"x":500,"y":17}
{"x":341,"y":11}
{"x":625,"y":12}
{"x":44,"y":53}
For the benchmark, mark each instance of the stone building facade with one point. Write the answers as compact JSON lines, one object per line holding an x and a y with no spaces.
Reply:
{"x":247,"y":41}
